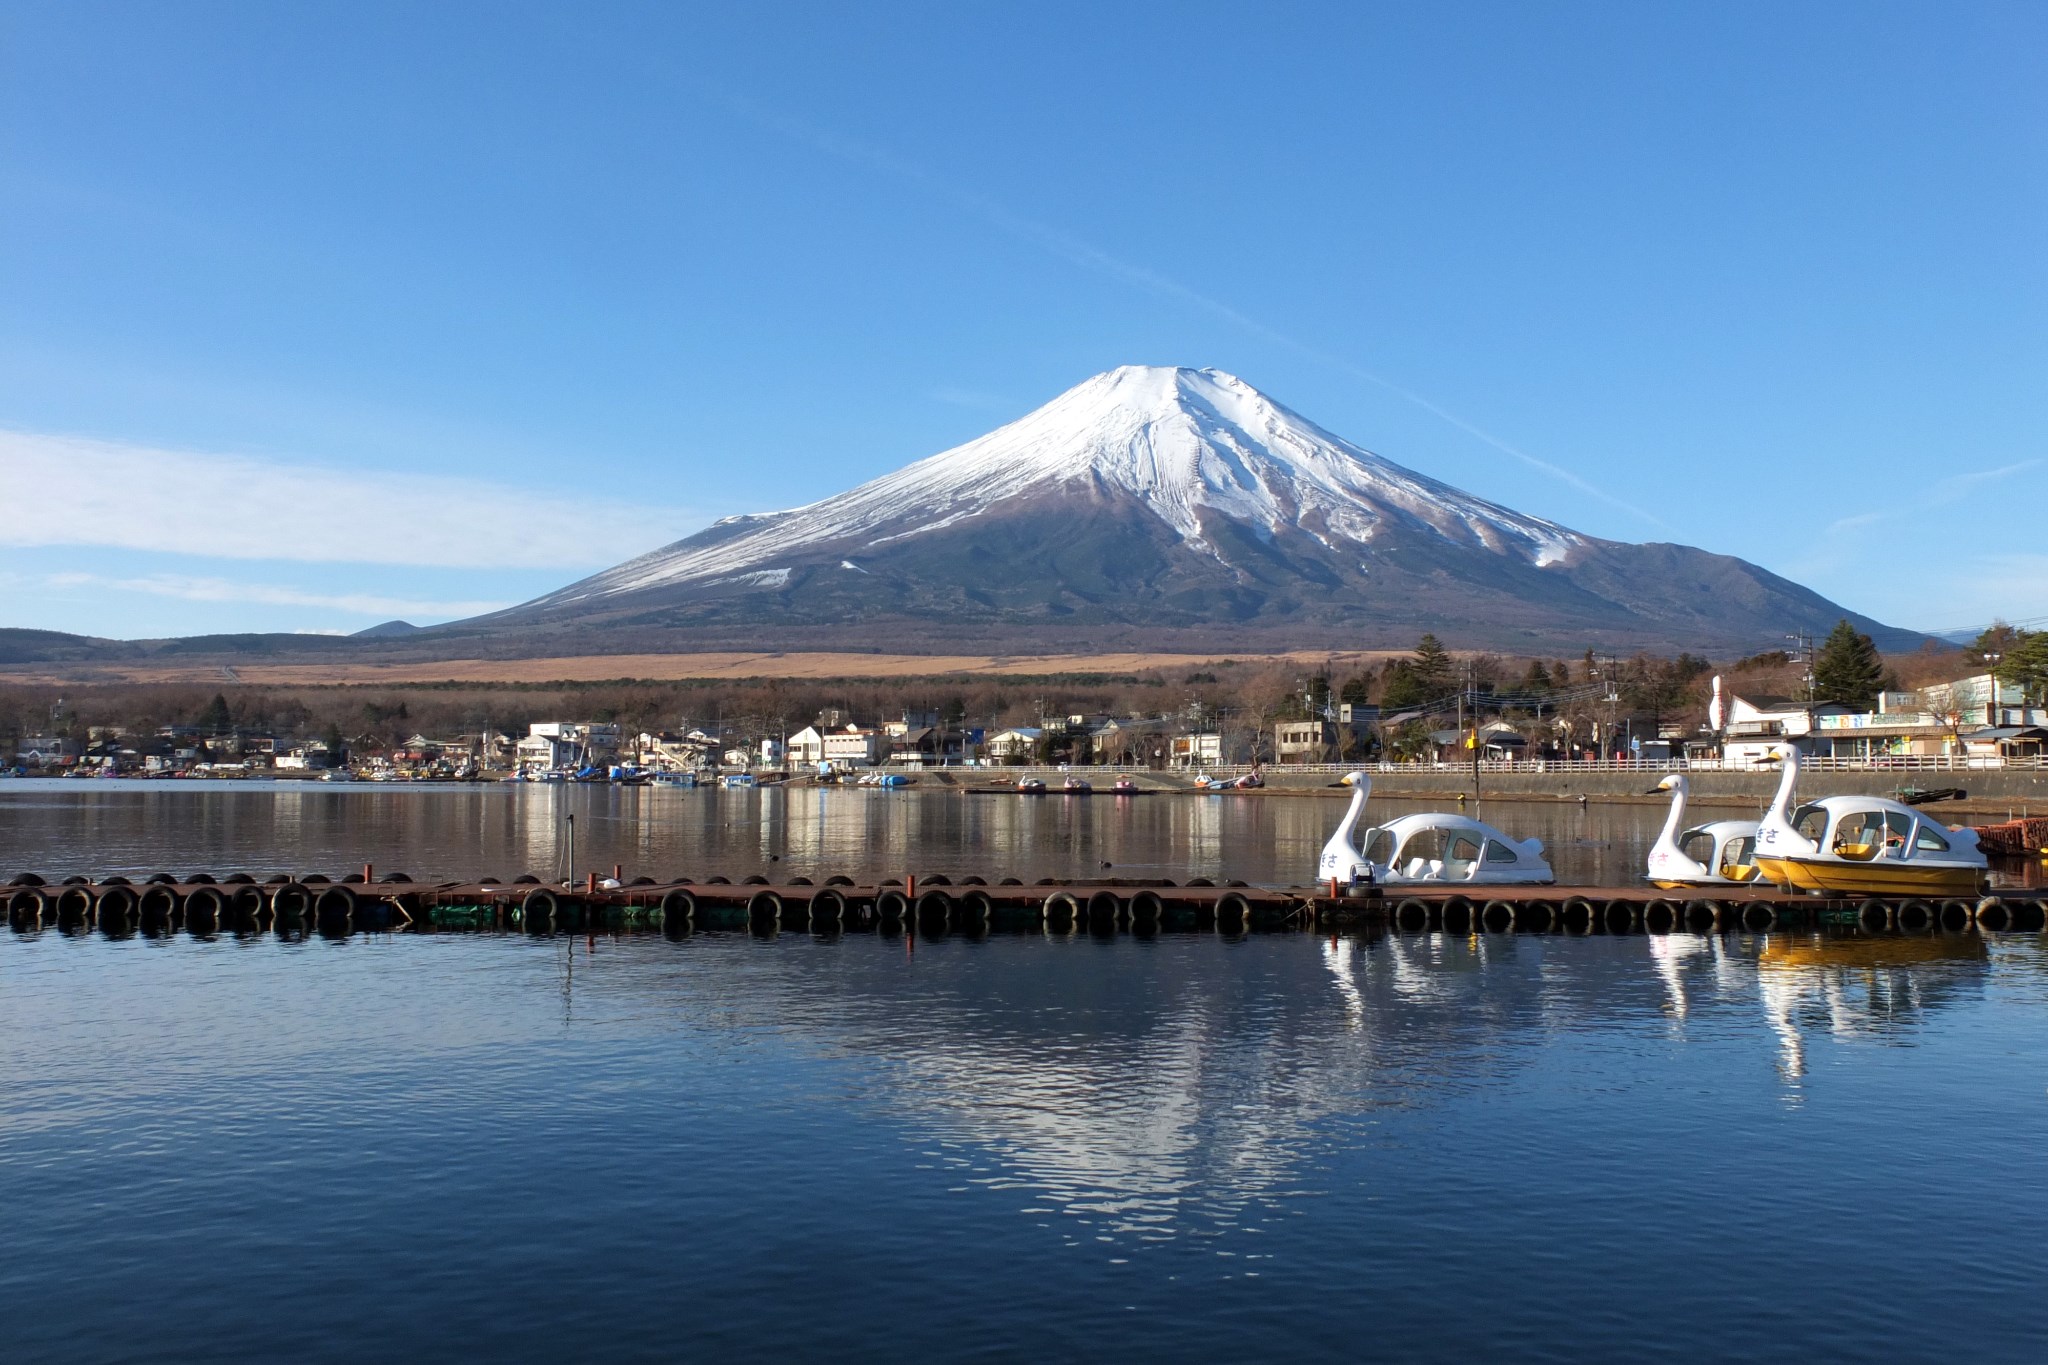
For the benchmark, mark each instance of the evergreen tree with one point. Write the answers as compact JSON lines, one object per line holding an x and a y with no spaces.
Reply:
{"x":1537,"y":679}
{"x":1848,"y":668}
{"x":1432,"y":664}
{"x":1401,"y":687}
{"x":216,"y":719}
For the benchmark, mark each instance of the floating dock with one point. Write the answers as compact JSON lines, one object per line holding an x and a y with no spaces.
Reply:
{"x":238,"y":903}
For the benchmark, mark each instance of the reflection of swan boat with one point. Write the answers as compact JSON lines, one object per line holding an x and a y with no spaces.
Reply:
{"x":1716,"y":854}
{"x":1803,"y":951}
{"x":1427,"y":848}
{"x":1862,"y":845}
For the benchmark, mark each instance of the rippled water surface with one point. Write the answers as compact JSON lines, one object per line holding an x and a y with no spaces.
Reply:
{"x":1023,"y":1148}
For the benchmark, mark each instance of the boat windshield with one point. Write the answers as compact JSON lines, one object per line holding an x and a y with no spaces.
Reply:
{"x":1498,"y":852}
{"x":1740,"y":852}
{"x":1811,"y":822}
{"x":1379,"y":846}
{"x":1929,"y":840}
{"x":1698,"y":845}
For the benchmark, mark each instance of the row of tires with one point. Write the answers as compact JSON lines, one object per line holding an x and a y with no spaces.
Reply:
{"x":157,"y":907}
{"x":932,"y":911}
{"x":1579,"y":915}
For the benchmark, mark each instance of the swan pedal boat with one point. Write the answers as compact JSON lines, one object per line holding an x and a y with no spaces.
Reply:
{"x":1427,"y":849}
{"x":1862,"y":845}
{"x":1718,"y":854}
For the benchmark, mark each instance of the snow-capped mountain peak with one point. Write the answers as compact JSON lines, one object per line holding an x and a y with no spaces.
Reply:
{"x":1188,"y":446}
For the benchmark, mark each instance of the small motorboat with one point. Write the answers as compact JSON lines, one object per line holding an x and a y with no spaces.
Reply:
{"x":1076,"y":786}
{"x":1717,"y":854}
{"x":1030,"y":786}
{"x":675,"y":779}
{"x":1433,"y":848}
{"x":1862,"y":845}
{"x":739,"y":780}
{"x":893,"y":780}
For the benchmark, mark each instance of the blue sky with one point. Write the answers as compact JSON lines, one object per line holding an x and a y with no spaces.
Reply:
{"x":313,"y":315}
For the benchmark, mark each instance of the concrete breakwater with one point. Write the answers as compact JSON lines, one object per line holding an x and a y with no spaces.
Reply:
{"x":204,"y":906}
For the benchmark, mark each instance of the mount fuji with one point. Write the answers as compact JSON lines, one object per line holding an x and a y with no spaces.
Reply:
{"x":1161,"y":507}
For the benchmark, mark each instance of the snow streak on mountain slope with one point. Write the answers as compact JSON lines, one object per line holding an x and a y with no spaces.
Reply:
{"x":1187,"y":445}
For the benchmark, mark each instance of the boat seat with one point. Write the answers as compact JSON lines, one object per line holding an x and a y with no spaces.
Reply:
{"x":1861,"y":853}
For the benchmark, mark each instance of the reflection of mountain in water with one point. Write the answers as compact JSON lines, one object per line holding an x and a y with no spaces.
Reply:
{"x":1152,"y":1090}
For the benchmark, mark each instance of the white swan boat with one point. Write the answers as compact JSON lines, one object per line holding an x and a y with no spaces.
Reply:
{"x":1417,"y":849}
{"x":1862,"y":845}
{"x":1718,"y":854}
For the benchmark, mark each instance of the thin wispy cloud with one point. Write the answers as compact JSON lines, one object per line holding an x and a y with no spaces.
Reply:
{"x":1951,"y":490}
{"x":1080,"y":252}
{"x":69,"y":491}
{"x":190,"y":589}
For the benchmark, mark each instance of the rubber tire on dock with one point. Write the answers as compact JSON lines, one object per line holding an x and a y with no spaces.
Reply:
{"x":1577,"y":915}
{"x":892,"y":906}
{"x":1497,"y":917}
{"x":1660,"y":917}
{"x":1411,"y":916}
{"x":828,"y":910}
{"x":1233,"y":914}
{"x":764,"y":912}
{"x":1914,"y":917}
{"x":25,"y":909}
{"x":1759,"y":919}
{"x":74,"y":909}
{"x":1873,"y":916}
{"x":1148,"y":912}
{"x":334,"y":909}
{"x":1535,"y":917}
{"x":1620,"y":917}
{"x":244,"y":910}
{"x":2029,"y":917}
{"x":934,"y":912}
{"x":974,"y":912}
{"x":1456,"y":916}
{"x":1994,"y":915}
{"x":115,"y":911}
{"x":678,"y":907}
{"x":537,"y":910}
{"x":1956,"y":916}
{"x":291,"y":901}
{"x":157,"y":909}
{"x":1062,"y":912}
{"x":1105,"y":912}
{"x":1701,"y":916}
{"x":203,"y":910}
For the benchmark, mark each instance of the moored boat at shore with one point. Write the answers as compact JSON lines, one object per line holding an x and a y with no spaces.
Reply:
{"x":1428,"y":848}
{"x":1862,"y":845}
{"x":1720,"y":853}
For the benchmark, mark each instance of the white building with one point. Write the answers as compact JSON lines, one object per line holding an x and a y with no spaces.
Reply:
{"x":566,"y":744}
{"x":847,"y":746}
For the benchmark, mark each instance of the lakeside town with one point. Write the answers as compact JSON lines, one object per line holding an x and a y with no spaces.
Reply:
{"x":1839,"y":705}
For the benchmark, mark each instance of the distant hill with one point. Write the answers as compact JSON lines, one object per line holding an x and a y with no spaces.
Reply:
{"x":388,"y":630}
